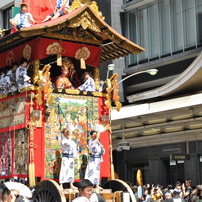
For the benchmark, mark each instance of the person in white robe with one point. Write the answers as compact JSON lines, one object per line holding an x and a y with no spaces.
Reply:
{"x":69,"y":152}
{"x":96,"y":150}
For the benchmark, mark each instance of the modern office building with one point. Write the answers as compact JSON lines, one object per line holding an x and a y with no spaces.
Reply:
{"x":162,"y":119}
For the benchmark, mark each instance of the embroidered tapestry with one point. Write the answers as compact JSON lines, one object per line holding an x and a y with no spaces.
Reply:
{"x":81,"y":114}
{"x":20,"y":152}
{"x":12,"y":112}
{"x":5,"y":154}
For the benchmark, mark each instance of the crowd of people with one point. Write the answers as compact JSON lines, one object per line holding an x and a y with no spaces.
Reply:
{"x":19,"y":76}
{"x":14,"y":77}
{"x":181,"y":192}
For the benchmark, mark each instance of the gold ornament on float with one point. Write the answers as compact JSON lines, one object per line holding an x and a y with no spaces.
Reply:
{"x":27,"y":52}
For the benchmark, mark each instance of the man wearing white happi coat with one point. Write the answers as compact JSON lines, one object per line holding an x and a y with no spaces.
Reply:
{"x":89,"y":84}
{"x":2,"y":83}
{"x":10,"y":78}
{"x":22,"y":79}
{"x":96,"y":151}
{"x":69,"y":152}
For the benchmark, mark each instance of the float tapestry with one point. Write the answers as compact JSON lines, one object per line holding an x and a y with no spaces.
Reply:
{"x":80,"y":115}
{"x":12,"y":112}
{"x":20,"y":152}
{"x":5,"y":154}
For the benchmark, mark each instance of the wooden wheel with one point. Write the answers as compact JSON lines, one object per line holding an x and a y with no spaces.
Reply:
{"x":48,"y":191}
{"x":119,"y":185}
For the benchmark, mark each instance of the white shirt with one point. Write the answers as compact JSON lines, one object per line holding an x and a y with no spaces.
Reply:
{"x":22,"y":20}
{"x":60,"y":2}
{"x":88,"y":85}
{"x":81,"y":199}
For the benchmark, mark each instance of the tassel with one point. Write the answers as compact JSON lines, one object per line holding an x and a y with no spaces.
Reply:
{"x":59,"y":60}
{"x":31,"y":174}
{"x":82,"y":63}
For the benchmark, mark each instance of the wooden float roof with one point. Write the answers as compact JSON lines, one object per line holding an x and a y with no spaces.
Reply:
{"x":82,"y":25}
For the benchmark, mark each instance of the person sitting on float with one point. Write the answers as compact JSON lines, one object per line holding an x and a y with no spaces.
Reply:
{"x":62,"y":8}
{"x":14,"y":66}
{"x":63,"y":80}
{"x":89,"y":84}
{"x":7,"y":79}
{"x":22,"y":19}
{"x":22,"y":79}
{"x":2,"y":81}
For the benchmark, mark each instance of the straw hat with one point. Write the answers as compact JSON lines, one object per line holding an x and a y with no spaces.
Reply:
{"x":21,"y":4}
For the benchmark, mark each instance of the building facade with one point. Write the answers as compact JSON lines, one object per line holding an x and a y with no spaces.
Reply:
{"x":161,"y":120}
{"x":6,"y":12}
{"x":171,"y":34}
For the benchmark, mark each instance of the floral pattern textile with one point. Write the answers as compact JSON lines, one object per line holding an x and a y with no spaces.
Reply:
{"x":12,"y":111}
{"x":69,"y":152}
{"x":93,"y":167}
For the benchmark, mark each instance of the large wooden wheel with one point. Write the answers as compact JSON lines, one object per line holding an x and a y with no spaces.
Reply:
{"x":48,"y":191}
{"x":119,"y":185}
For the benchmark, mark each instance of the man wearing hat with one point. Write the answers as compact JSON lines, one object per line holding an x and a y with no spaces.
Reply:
{"x":22,"y":19}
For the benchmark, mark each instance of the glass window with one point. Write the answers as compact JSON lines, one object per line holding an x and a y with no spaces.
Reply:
{"x":177,"y":25}
{"x":7,"y":15}
{"x":189,"y":23}
{"x":143,"y":32}
{"x":199,"y":21}
{"x":165,"y":26}
{"x":153,"y":31}
{"x":132,"y":27}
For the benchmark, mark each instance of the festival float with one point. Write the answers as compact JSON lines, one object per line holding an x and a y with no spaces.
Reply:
{"x":32,"y":118}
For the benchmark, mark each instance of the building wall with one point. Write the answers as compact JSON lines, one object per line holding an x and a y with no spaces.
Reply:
{"x":5,"y":4}
{"x":116,"y":24}
{"x":156,"y":165}
{"x":112,"y":11}
{"x":171,"y":58}
{"x":169,"y":31}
